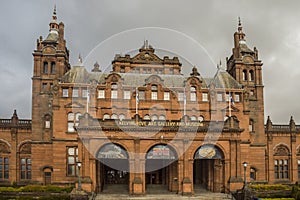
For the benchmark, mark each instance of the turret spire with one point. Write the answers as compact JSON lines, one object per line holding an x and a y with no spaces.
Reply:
{"x":54,"y":14}
{"x":240,"y":28}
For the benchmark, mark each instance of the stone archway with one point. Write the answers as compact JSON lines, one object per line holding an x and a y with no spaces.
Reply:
{"x":208,"y":169}
{"x":161,"y":169}
{"x":112,"y":169}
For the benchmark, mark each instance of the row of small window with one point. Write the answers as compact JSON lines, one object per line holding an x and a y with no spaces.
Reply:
{"x":154,"y":94}
{"x":46,"y":69}
{"x":248,"y":75}
{"x":25,"y":168}
{"x":148,"y":117}
{"x":75,"y":92}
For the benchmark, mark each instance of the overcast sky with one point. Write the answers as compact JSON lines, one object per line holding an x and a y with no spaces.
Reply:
{"x":206,"y":26}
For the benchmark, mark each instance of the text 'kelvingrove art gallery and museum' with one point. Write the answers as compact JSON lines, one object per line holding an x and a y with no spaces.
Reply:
{"x":144,"y":124}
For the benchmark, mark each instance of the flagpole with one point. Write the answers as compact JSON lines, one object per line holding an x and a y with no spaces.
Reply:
{"x":184,"y":102}
{"x":136,"y":101}
{"x":229,"y":104}
{"x":87,"y":100}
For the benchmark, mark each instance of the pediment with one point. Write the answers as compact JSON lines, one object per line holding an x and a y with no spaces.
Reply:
{"x":74,"y":105}
{"x":232,"y":108}
{"x":49,"y":50}
{"x":146,"y":57}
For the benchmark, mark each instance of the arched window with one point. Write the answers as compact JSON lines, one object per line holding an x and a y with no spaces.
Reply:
{"x":114,"y":116}
{"x":193,"y":94}
{"x":245,"y":75}
{"x":4,"y":160}
{"x":25,"y":161}
{"x":121,"y":117}
{"x":193,"y":118}
{"x":251,"y":75}
{"x":154,"y":92}
{"x":162,"y":117}
{"x":146,"y":117}
{"x":281,"y":162}
{"x":53,"y":68}
{"x":106,"y":116}
{"x":154,"y":117}
{"x":200,"y":118}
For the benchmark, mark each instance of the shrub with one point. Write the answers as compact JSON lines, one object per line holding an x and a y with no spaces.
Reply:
{"x":266,"y":187}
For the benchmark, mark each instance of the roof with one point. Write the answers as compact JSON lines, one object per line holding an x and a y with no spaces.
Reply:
{"x":79,"y":74}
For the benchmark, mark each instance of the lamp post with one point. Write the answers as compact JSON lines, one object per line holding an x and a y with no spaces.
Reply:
{"x":79,"y":181}
{"x":245,"y":169}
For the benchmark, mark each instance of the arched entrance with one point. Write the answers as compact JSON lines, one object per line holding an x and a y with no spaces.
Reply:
{"x":112,"y":169}
{"x":208,"y":169}
{"x":161,"y":170}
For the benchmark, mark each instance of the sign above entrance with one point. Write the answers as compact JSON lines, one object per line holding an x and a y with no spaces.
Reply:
{"x":112,"y":151}
{"x":208,"y":152}
{"x":161,"y":152}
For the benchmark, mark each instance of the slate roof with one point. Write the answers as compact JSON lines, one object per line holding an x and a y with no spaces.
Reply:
{"x":79,"y":74}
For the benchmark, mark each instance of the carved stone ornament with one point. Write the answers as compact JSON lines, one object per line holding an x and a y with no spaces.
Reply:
{"x":281,"y":151}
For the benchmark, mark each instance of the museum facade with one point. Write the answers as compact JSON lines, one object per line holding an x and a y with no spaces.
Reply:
{"x":145,"y":125}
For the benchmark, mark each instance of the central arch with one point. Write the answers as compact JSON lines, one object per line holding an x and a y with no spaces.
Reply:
{"x":161,"y":169}
{"x":112,"y":169}
{"x":208,"y":169}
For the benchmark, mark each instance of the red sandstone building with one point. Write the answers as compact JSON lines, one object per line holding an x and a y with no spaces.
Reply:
{"x":145,"y":125}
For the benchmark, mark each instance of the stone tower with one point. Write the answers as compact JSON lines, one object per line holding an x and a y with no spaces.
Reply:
{"x":246,"y":68}
{"x":51,"y":62}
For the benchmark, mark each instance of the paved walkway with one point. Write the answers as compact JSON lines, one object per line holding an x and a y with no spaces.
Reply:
{"x":156,"y":192}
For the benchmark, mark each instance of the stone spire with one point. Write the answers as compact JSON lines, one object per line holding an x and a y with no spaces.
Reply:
{"x":292,"y":124}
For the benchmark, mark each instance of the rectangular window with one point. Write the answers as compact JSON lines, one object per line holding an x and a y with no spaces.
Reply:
{"x":126,"y":94}
{"x":75,"y":92}
{"x":166,"y":96}
{"x":204,"y":97}
{"x":4,"y":168}
{"x":45,"y":68}
{"x":281,"y":169}
{"x":153,"y":95}
{"x":193,"y":96}
{"x":237,"y":98}
{"x":53,"y":68}
{"x":84,"y":93}
{"x":180,"y":96}
{"x":101,"y":94}
{"x":44,"y":86}
{"x":219,"y":97}
{"x":72,"y":159}
{"x":114,"y":94}
{"x":65,"y":92}
{"x":227,"y":97}
{"x":25,"y":168}
{"x":141,"y":95}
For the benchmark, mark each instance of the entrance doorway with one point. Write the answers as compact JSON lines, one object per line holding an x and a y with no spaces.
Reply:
{"x":161,"y":170}
{"x":112,"y":170}
{"x":208,"y":169}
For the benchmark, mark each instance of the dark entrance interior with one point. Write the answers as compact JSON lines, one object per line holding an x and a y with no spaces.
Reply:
{"x":112,"y":170}
{"x":208,"y":170}
{"x":161,"y":170}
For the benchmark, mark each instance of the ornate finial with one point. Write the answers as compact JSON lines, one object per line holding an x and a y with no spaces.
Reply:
{"x":146,"y":45}
{"x":195,"y":72}
{"x":79,"y":59}
{"x":240,"y":28}
{"x":54,"y":13}
{"x":96,"y":67}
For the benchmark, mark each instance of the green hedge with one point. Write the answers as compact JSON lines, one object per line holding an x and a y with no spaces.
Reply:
{"x":266,"y":187}
{"x":37,"y":188}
